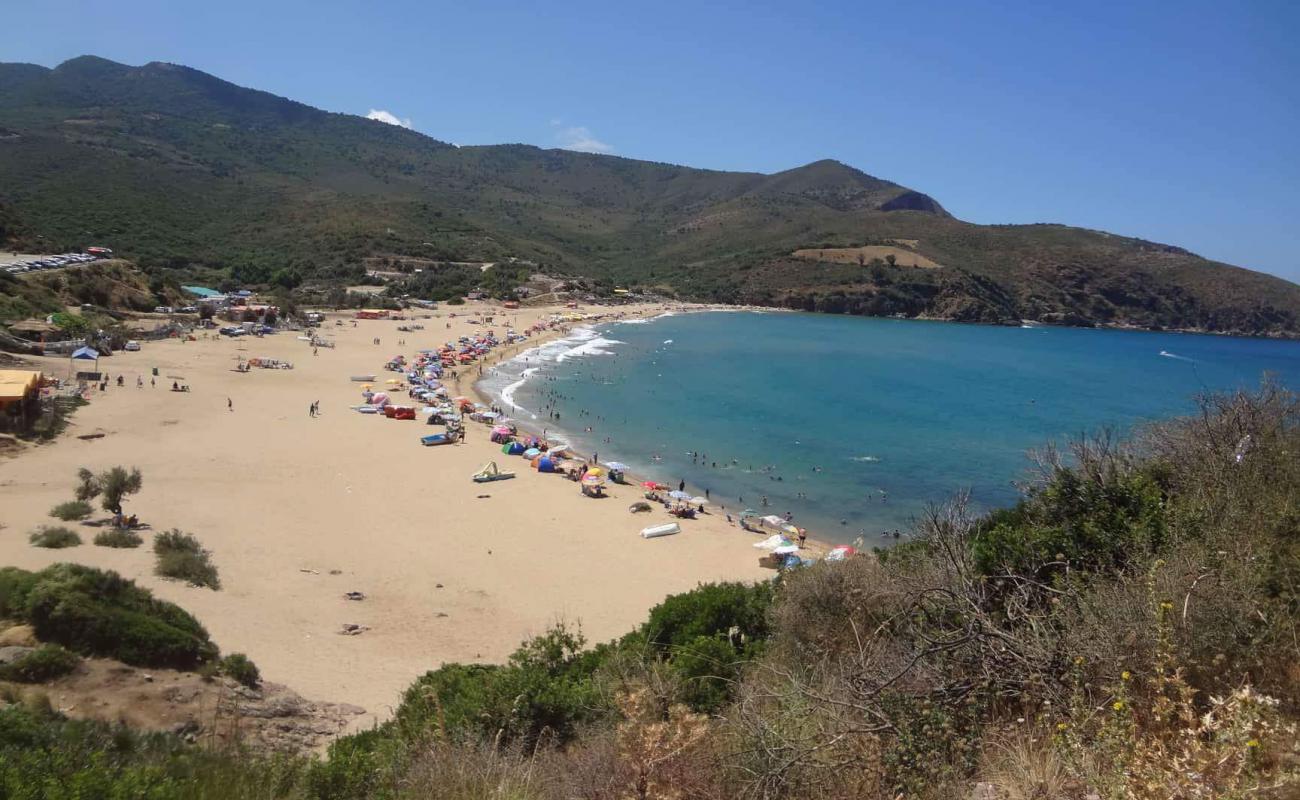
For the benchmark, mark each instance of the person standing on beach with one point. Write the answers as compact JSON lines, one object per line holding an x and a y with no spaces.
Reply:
{"x":230,"y":405}
{"x":681,"y":486}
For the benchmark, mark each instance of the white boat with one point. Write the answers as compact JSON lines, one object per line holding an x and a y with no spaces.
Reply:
{"x":666,"y":529}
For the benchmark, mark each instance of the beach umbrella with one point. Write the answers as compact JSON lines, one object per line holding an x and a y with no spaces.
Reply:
{"x":698,"y":501}
{"x":679,"y":495}
{"x":651,"y":485}
{"x":840,"y":553}
{"x":617,"y":465}
{"x":593,"y":480}
{"x":595,"y":471}
{"x":532,"y":452}
{"x":365,"y":387}
{"x":786,"y":549}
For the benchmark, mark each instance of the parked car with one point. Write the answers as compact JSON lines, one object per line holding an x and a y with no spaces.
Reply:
{"x":163,"y":310}
{"x":190,"y":309}
{"x":132,"y":345}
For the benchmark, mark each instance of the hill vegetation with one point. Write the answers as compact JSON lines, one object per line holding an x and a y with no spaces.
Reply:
{"x":177,"y":169}
{"x":1127,"y":632}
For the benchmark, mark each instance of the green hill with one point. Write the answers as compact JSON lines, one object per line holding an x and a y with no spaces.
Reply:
{"x":175,"y":168}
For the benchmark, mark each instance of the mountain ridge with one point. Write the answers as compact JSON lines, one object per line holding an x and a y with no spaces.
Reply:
{"x":176,"y":167}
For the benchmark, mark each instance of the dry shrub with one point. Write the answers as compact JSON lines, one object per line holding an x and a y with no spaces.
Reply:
{"x":659,"y":749}
{"x":1028,"y":767}
{"x":1152,"y":737}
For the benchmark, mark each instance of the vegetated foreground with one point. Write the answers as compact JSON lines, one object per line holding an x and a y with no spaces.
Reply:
{"x":1127,"y":631}
{"x":179,"y":170}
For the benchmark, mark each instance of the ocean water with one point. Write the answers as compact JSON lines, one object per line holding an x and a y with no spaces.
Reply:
{"x":854,"y":424}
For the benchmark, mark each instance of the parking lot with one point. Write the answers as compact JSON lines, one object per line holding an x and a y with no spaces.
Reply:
{"x":30,"y":262}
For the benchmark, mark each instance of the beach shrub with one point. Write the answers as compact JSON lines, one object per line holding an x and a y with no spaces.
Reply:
{"x":44,"y":755}
{"x":45,"y":663}
{"x":180,"y":556}
{"x":15,"y":586}
{"x":111,"y":486}
{"x":242,"y":669}
{"x":72,"y":510}
{"x":95,"y":612}
{"x":547,"y":685}
{"x":1077,"y":521}
{"x":55,"y":538}
{"x":118,"y":537}
{"x":706,"y":636}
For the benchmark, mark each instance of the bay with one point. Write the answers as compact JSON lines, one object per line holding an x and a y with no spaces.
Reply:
{"x":854,"y":424}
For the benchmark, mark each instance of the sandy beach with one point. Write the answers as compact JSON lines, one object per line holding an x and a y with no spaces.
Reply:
{"x":452,"y":570}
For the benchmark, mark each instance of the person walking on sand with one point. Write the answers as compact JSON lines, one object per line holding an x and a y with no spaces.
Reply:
{"x":230,"y":405}
{"x":681,"y":486}
{"x":311,"y":410}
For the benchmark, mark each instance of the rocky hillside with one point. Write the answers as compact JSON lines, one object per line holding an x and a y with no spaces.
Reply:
{"x":176,"y":168}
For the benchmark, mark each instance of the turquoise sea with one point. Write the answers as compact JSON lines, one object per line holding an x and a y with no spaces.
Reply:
{"x":854,"y":424}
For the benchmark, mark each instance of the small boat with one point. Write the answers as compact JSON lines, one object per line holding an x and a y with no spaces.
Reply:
{"x":437,"y":438}
{"x":491,"y":472}
{"x":655,"y":531}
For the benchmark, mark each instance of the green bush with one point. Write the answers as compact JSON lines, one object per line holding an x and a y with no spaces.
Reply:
{"x":180,"y":556}
{"x":94,"y":612}
{"x":72,"y":510}
{"x":45,"y":663}
{"x":546,"y":685}
{"x":15,"y":586}
{"x":118,"y":537}
{"x":1075,"y":522}
{"x":43,"y":755}
{"x":242,"y":669}
{"x":54,"y":538}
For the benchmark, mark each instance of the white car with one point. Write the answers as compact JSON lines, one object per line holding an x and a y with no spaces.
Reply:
{"x":132,"y":346}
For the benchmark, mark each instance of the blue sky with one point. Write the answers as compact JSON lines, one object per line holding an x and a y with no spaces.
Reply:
{"x":1178,"y":121}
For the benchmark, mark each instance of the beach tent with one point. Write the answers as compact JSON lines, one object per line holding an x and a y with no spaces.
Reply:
{"x":85,"y":354}
{"x":531,"y":452}
{"x":513,"y":448}
{"x":545,"y":464}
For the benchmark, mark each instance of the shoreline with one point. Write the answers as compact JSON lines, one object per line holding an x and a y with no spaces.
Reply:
{"x":814,"y":546}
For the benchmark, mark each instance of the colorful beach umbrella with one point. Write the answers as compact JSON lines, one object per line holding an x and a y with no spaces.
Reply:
{"x":679,"y":495}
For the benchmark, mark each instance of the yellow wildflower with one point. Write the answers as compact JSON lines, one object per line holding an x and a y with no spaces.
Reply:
{"x":1118,"y":705}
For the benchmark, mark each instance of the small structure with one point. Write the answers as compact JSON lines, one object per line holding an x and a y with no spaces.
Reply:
{"x":84,"y":357}
{"x":20,"y":398}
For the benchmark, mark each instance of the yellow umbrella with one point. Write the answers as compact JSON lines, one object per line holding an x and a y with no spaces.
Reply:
{"x":365,"y":387}
{"x":597,"y":471}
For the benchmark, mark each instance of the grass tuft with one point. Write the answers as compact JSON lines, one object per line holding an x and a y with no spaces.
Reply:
{"x":180,"y":556}
{"x":54,"y":538}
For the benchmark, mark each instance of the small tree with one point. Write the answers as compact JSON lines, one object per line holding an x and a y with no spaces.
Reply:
{"x":891,"y":258}
{"x":111,"y":486}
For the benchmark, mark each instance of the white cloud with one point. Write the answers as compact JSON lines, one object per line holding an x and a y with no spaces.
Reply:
{"x":388,"y":117}
{"x":579,"y":137}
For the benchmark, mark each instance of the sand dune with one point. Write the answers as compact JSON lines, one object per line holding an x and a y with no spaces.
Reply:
{"x":452,"y":570}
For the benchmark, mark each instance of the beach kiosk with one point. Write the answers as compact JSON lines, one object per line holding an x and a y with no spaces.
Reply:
{"x":85,"y":364}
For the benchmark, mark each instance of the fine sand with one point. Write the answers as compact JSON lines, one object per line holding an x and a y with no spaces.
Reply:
{"x":452,"y":570}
